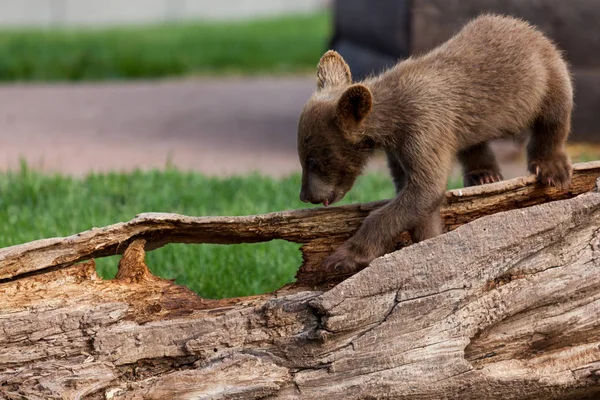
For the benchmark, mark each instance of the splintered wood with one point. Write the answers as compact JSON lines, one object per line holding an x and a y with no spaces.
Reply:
{"x":506,"y":306}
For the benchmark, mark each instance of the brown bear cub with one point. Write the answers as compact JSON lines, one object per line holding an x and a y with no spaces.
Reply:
{"x":498,"y":76}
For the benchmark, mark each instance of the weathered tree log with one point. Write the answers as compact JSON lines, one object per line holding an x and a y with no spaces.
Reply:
{"x":320,"y":230}
{"x":506,"y":306}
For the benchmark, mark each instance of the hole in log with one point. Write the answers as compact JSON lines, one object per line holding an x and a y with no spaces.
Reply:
{"x":106,"y":267}
{"x":220,"y":271}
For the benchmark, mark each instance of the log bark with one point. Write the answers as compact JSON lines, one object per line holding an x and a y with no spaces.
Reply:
{"x":505,"y":306}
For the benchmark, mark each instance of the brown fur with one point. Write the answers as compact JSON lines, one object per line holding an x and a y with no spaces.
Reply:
{"x":497,"y":77}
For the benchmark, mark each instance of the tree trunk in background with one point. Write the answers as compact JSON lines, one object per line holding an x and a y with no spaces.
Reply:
{"x":374,"y":34}
{"x":572,"y":24}
{"x":505,"y":306}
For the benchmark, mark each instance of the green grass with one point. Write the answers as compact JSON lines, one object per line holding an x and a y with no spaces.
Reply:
{"x":35,"y":206}
{"x":274,"y":46}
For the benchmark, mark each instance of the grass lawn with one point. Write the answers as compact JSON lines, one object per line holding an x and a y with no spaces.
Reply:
{"x":35,"y":206}
{"x":275,"y":46}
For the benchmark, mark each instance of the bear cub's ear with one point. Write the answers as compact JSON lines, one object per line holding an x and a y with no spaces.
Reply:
{"x":354,"y":106}
{"x":333,"y":71}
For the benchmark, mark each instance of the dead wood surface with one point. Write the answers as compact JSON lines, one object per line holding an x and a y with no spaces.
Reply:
{"x":320,"y":230}
{"x":505,"y":307}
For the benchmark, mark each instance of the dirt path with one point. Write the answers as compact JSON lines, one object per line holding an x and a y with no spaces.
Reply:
{"x":215,"y":126}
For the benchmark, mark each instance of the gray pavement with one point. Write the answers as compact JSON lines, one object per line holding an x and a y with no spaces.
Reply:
{"x":214,"y":126}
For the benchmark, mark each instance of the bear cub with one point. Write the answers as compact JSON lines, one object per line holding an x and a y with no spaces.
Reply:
{"x":497,"y":77}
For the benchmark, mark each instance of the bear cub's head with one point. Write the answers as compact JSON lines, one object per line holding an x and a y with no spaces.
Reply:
{"x":332,"y":145}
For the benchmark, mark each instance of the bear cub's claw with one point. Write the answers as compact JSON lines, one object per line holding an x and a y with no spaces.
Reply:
{"x":481,"y":177}
{"x":553,"y":171}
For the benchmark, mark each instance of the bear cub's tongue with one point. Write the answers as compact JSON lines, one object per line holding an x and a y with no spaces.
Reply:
{"x":326,"y":202}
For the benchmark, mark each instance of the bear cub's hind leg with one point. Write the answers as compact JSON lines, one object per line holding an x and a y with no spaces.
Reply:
{"x":479,"y":165}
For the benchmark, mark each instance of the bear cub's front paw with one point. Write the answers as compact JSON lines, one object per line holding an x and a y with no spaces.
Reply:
{"x":347,"y":259}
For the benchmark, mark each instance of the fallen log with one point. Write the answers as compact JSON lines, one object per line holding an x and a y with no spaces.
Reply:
{"x":505,"y":305}
{"x":320,"y":230}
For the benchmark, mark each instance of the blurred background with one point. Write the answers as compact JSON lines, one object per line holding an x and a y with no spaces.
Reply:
{"x":112,"y":108}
